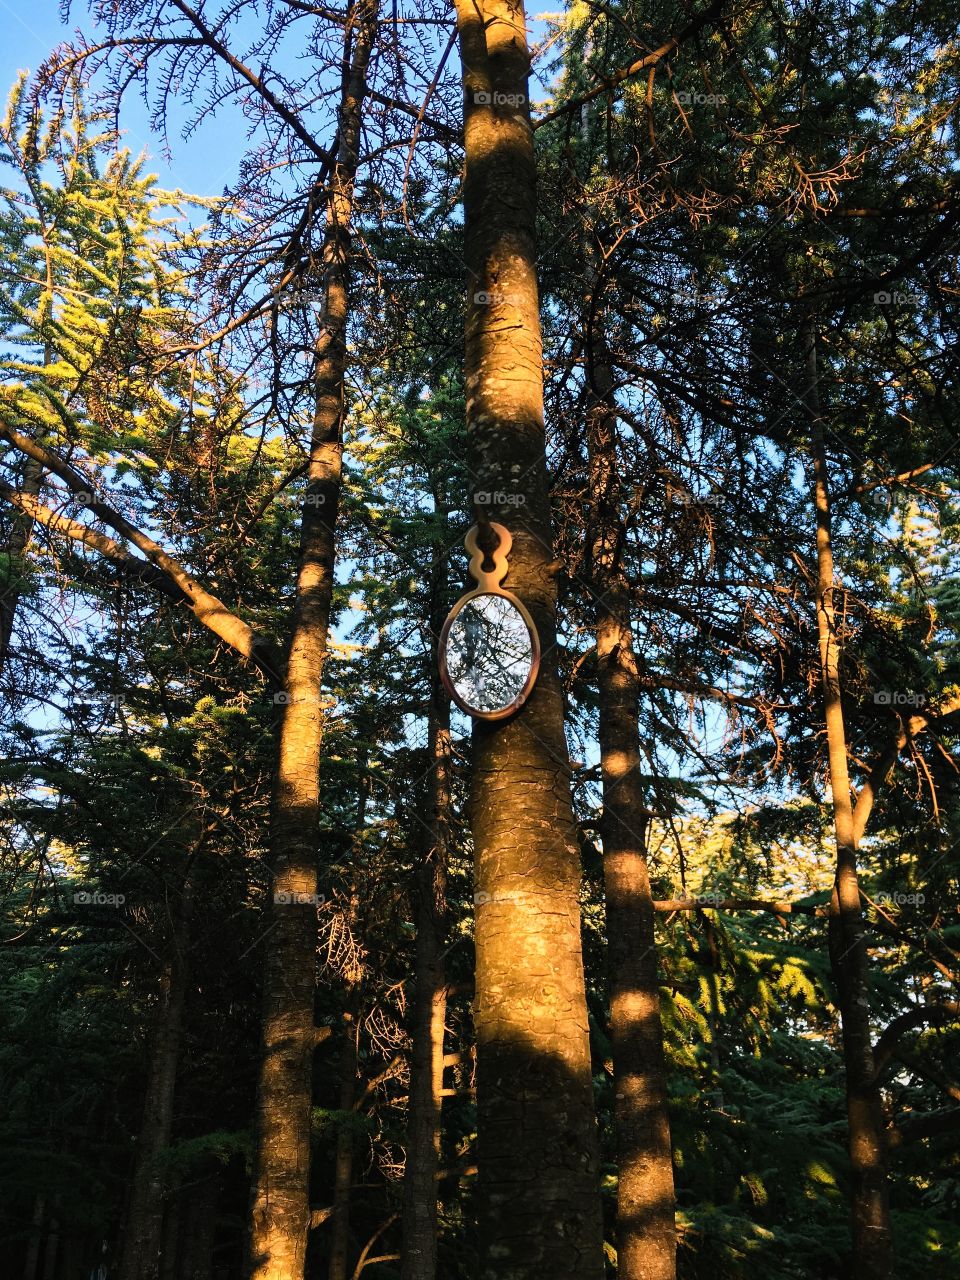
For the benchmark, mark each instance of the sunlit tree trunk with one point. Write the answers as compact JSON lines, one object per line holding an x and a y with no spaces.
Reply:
{"x":537,"y":1140}
{"x":872,"y":1242}
{"x":280,"y":1214}
{"x":646,"y":1234}
{"x":143,"y":1229}
{"x":430,"y":1004}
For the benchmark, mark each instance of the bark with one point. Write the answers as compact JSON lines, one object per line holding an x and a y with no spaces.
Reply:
{"x":646,"y":1233}
{"x":537,"y":1145}
{"x":69,"y":1260}
{"x":350,"y":1100}
{"x":17,"y":544}
{"x":201,"y":1229}
{"x":430,"y":1007}
{"x":872,"y":1242}
{"x":21,"y":533}
{"x":143,"y":1228}
{"x":170,"y":1248}
{"x":280,"y":1214}
{"x":51,"y":1249}
{"x":32,"y":1255}
{"x":343,"y":1163}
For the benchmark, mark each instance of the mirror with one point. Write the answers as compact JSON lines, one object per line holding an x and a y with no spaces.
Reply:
{"x":489,"y":654}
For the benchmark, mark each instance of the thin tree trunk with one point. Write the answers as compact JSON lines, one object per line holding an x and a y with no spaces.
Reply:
{"x":21,"y":534}
{"x":143,"y":1229}
{"x":712,"y":960}
{"x":430,"y":1007}
{"x":872,"y":1241}
{"x":50,"y":1249}
{"x":69,"y":1260}
{"x":32,"y":1255}
{"x":537,"y":1144}
{"x":280,"y":1212}
{"x":343,"y":1163}
{"x":22,"y":531}
{"x":196,"y":1255}
{"x":172,"y":1226}
{"x":349,"y":1060}
{"x":646,"y":1232}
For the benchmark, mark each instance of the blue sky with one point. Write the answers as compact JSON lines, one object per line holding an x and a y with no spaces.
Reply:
{"x":200,"y":165}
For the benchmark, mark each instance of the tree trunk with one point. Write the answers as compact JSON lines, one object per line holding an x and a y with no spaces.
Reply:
{"x":430,"y":1007}
{"x":537,"y":1145}
{"x":143,"y":1229}
{"x":872,"y":1241}
{"x":280,"y":1212}
{"x":51,"y":1249}
{"x":343,"y":1164}
{"x":200,"y":1214}
{"x":172,"y":1228}
{"x":22,"y":532}
{"x":32,"y":1256}
{"x":17,"y":544}
{"x":69,"y":1266}
{"x":646,"y":1233}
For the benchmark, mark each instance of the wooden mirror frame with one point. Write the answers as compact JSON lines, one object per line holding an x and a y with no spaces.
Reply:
{"x":488,"y":584}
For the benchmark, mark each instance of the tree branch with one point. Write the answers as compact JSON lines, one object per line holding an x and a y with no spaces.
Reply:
{"x":609,"y":83}
{"x":210,"y":611}
{"x":924,"y":1014}
{"x":220,"y":49}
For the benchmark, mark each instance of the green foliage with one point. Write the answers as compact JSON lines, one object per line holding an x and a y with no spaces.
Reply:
{"x":140,"y":755}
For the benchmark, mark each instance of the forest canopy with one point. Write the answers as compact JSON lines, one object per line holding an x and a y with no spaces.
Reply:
{"x":605,"y":923}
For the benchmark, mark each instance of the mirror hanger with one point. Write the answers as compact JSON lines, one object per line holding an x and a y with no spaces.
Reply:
{"x":489,"y":648}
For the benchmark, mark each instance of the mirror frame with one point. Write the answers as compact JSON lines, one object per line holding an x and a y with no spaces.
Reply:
{"x":488,"y":584}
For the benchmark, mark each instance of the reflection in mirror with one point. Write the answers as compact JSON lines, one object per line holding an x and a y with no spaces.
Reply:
{"x":489,"y":653}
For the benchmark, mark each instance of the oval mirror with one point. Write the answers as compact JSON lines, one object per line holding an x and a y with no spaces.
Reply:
{"x":489,"y":654}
